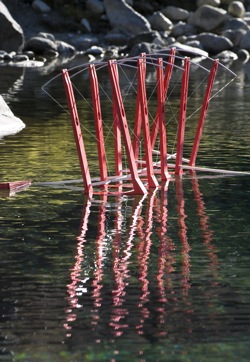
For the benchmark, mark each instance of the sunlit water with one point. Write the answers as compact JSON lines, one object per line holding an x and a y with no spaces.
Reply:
{"x":164,"y":277}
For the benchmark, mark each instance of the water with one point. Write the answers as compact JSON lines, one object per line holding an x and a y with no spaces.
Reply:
{"x":163,"y":277}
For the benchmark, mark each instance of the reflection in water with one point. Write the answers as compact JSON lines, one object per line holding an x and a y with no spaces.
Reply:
{"x":104,"y":298}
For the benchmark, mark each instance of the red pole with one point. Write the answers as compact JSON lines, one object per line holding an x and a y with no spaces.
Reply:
{"x":203,"y":113}
{"x":117,"y":135}
{"x":167,"y":78}
{"x":152,"y":182}
{"x":161,"y":120}
{"x":139,"y":188}
{"x":98,"y":122}
{"x":182,"y":116}
{"x":77,"y":132}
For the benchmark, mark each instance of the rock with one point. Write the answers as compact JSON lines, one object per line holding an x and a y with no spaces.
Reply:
{"x":189,"y":50}
{"x":41,"y":6}
{"x":209,"y":18}
{"x":235,"y":24}
{"x":95,"y":6}
{"x":40,"y":45}
{"x":45,"y":44}
{"x":64,"y":48}
{"x":182,"y":28}
{"x":151,"y":37}
{"x":245,"y":41}
{"x":9,"y":124}
{"x":175,"y":14}
{"x":235,"y":36}
{"x":226,"y":56}
{"x":116,"y":37}
{"x":236,"y":9}
{"x":160,"y":22}
{"x":143,"y":48}
{"x":84,"y":41}
{"x":215,"y":3}
{"x":124,"y":17}
{"x":243,"y":55}
{"x":86,"y":25}
{"x":11,"y":33}
{"x":213,"y":43}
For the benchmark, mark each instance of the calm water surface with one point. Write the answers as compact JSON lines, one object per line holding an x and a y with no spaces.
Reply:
{"x":164,"y":277}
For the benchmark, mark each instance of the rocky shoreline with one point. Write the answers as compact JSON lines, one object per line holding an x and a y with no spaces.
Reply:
{"x":38,"y":32}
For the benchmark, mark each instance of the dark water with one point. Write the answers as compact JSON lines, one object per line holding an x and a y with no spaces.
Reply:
{"x":164,"y":277}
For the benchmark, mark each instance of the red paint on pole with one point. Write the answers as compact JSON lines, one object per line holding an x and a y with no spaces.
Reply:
{"x":139,"y":188}
{"x":182,"y":116}
{"x":167,"y":78}
{"x":152,"y":182}
{"x":161,"y":120}
{"x":77,"y":132}
{"x":203,"y":113}
{"x":98,"y":122}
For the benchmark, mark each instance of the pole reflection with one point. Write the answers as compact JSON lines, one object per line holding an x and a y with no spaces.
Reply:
{"x":138,"y":278}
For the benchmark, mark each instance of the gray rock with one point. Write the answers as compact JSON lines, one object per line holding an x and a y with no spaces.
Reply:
{"x":40,"y":45}
{"x":86,"y":25}
{"x":124,"y":17}
{"x":226,"y":56}
{"x":215,"y":3}
{"x":235,"y":36}
{"x":182,"y":28}
{"x":9,"y":124}
{"x":243,"y":55}
{"x":152,"y":37}
{"x":160,"y":22}
{"x":175,"y":13}
{"x":143,"y":47}
{"x":209,"y":18}
{"x":84,"y":42}
{"x":245,"y":41}
{"x":235,"y":24}
{"x":11,"y":33}
{"x":115,"y":37}
{"x":237,"y":9}
{"x":95,"y":6}
{"x":213,"y":43}
{"x":64,"y":48}
{"x":41,"y":6}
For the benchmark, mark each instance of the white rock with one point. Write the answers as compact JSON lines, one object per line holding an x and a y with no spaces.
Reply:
{"x":9,"y":124}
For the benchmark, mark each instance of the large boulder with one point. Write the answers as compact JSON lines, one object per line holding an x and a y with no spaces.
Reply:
{"x":9,"y":124}
{"x":11,"y":33}
{"x":208,"y":18}
{"x":124,"y":17}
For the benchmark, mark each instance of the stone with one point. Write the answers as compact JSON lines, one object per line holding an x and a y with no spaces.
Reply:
{"x":236,"y":9}
{"x":213,"y":43}
{"x":95,"y":7}
{"x":235,"y":24}
{"x":9,"y":123}
{"x":182,"y":28}
{"x":160,"y":22}
{"x":209,"y":18}
{"x":235,"y":36}
{"x":64,"y":48}
{"x":11,"y":33}
{"x":175,"y":13}
{"x":124,"y":17}
{"x":215,"y":3}
{"x":243,"y":55}
{"x":147,"y":37}
{"x":245,"y":41}
{"x":41,"y":6}
{"x":40,"y":45}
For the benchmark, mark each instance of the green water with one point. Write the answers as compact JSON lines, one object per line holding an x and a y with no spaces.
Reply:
{"x":164,"y":277}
